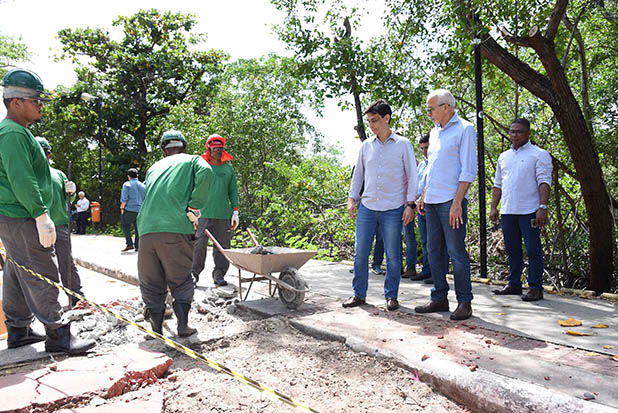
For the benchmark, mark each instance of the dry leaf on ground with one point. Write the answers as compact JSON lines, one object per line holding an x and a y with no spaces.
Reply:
{"x":609,"y":346}
{"x":571,"y":322}
{"x":592,"y":353}
{"x":576,"y":333}
{"x":601,"y":325}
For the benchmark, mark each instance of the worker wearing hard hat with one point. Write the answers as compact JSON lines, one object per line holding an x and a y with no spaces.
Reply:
{"x":176,"y":189}
{"x":62,"y":190}
{"x":220,"y":214}
{"x":26,"y":228}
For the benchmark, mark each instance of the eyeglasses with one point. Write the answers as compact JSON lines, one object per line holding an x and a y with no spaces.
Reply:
{"x":430,"y":109}
{"x":37,"y":102}
{"x":218,"y":148}
{"x":517,"y":131}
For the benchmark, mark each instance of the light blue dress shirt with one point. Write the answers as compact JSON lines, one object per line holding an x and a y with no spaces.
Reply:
{"x":519,"y":173}
{"x":133,"y":192}
{"x":451,"y":159}
{"x":422,"y":177}
{"x":384,"y":168}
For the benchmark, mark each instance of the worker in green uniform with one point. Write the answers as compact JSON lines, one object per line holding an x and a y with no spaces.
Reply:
{"x":26,"y":228}
{"x":176,"y":189}
{"x":220,"y":214}
{"x":62,"y":190}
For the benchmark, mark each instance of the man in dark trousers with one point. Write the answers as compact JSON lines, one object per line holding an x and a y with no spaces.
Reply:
{"x":26,"y":228}
{"x":131,"y":200}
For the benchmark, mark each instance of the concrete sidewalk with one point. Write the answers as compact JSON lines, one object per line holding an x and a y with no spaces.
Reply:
{"x":511,"y":356}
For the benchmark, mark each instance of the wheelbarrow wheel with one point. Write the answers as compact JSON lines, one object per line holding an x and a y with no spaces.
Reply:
{"x":291,"y":299}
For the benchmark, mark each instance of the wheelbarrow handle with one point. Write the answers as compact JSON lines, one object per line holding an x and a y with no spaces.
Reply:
{"x":252,"y":237}
{"x":214,"y":241}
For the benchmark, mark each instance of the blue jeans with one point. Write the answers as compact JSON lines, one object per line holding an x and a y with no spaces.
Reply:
{"x":442,"y":239}
{"x":422,"y":229}
{"x":409,"y":237}
{"x":390,"y":227}
{"x":514,"y":227}
{"x":378,"y":250}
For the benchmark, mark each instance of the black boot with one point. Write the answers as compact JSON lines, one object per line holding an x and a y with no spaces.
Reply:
{"x":60,"y":340}
{"x":182,"y":316}
{"x":22,"y":336}
{"x":156,"y":321}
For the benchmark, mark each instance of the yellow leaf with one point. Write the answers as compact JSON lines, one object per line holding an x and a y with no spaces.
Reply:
{"x":592,"y":353}
{"x":600,"y":326}
{"x":609,"y":346}
{"x":576,"y":333}
{"x":615,"y":358}
{"x":501,"y":313}
{"x":571,"y":322}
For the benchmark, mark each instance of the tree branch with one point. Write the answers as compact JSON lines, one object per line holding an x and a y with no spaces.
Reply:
{"x":555,"y":18}
{"x":508,"y":36}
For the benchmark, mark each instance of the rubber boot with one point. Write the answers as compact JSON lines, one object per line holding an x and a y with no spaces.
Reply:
{"x":182,"y":316}
{"x":156,"y":322}
{"x":60,"y":340}
{"x":22,"y":336}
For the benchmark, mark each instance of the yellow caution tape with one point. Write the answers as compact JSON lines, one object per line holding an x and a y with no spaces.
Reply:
{"x":183,"y":349}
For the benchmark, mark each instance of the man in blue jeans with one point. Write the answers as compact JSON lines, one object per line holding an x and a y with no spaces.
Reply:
{"x":423,"y":144}
{"x":451,"y":169}
{"x":523,"y":180}
{"x":384,"y":161}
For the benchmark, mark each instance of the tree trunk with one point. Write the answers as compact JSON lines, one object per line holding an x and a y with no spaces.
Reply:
{"x":360,"y":126}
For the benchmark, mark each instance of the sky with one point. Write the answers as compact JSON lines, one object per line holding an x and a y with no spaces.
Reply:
{"x":241,"y":28}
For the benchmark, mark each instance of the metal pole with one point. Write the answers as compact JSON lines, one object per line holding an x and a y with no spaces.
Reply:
{"x":69,"y":255}
{"x":481,"y":157}
{"x":99,"y":105}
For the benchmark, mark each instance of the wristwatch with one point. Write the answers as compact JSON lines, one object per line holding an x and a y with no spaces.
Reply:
{"x":543,"y":206}
{"x":411,"y":204}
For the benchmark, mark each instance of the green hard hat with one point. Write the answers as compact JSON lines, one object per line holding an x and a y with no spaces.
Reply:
{"x":23,"y":78}
{"x":43,"y":142}
{"x":173,"y":139}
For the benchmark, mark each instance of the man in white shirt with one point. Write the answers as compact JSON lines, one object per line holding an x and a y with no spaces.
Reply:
{"x":384,"y":162}
{"x":450,"y":171}
{"x":523,"y":181}
{"x":81,"y":206}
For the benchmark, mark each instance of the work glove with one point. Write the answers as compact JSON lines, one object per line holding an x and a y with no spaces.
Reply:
{"x":193,"y":215}
{"x":69,"y":187}
{"x":235,"y":221}
{"x":47,"y":230}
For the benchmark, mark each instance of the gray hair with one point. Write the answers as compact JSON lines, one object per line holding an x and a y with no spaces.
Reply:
{"x":444,"y":96}
{"x":81,"y":193}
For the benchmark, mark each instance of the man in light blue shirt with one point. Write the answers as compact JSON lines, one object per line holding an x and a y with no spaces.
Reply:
{"x":523,"y":180}
{"x":131,"y":198}
{"x":451,"y":169}
{"x":384,"y":162}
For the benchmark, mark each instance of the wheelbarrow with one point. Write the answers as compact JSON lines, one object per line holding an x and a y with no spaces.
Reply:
{"x":285,"y":261}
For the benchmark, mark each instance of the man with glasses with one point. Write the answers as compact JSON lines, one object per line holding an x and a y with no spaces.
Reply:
{"x":384,"y":163}
{"x":220,"y":214}
{"x":451,"y":169}
{"x":523,"y":180}
{"x":26,"y":228}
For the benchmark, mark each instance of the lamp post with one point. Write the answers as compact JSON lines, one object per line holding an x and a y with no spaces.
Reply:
{"x":86,"y":97}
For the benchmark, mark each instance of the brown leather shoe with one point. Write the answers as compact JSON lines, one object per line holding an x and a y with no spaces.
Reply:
{"x":463,"y":311}
{"x":533,"y":294}
{"x":508,"y":290}
{"x":392,"y":304}
{"x":433,"y":307}
{"x":353,"y":302}
{"x":410,"y":272}
{"x":127,"y":248}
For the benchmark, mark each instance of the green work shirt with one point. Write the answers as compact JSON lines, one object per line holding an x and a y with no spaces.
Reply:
{"x":25,"y":179}
{"x":58,"y":208}
{"x":172,"y":184}
{"x":223,"y":194}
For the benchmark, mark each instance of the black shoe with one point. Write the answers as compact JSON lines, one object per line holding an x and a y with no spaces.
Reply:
{"x":410,"y":273}
{"x":351,"y":270}
{"x":433,"y":307}
{"x":428,"y":280}
{"x":533,"y":294}
{"x":353,"y":302}
{"x":196,"y":277}
{"x":60,"y":340}
{"x":392,"y":304}
{"x":22,"y":336}
{"x":508,"y":290}
{"x":182,"y":316}
{"x":463,"y":311}
{"x":420,"y":277}
{"x":128,"y":248}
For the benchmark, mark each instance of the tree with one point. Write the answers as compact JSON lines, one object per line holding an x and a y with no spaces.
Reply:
{"x":11,"y":52}
{"x":540,"y":71}
{"x":153,"y":68}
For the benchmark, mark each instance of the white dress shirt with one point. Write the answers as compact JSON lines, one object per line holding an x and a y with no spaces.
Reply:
{"x":519,"y":173}
{"x":451,"y":159}
{"x":82,"y":205}
{"x":384,"y":167}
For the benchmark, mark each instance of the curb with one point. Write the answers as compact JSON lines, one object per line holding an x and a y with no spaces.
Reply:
{"x":117,"y":274}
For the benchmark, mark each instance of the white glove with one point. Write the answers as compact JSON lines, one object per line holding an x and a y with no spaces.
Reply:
{"x":235,"y":221}
{"x":69,"y":187}
{"x":47,"y":230}
{"x":193,"y":215}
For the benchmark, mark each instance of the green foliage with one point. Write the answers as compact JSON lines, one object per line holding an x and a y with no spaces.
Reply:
{"x":12,"y":51}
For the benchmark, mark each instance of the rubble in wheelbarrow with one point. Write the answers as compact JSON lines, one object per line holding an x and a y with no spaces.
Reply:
{"x":260,"y":250}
